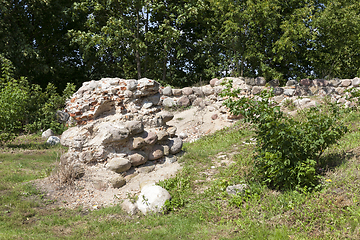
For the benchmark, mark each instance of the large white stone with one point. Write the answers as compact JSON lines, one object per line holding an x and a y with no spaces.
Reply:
{"x":152,"y":199}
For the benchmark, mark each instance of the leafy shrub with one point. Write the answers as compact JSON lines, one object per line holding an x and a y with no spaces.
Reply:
{"x":13,"y":101}
{"x":26,"y":107}
{"x":288,"y":150}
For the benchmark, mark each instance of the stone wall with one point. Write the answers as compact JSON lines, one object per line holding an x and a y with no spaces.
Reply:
{"x":124,"y":122}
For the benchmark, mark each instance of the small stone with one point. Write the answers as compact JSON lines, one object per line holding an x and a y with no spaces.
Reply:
{"x":213,"y":82}
{"x":53,"y":140}
{"x":146,"y":169}
{"x":175,"y":145}
{"x":138,"y":158}
{"x":320,"y":82}
{"x":198,"y":92}
{"x":260,"y":81}
{"x":233,"y":190}
{"x":177,"y":92}
{"x":198,"y":102}
{"x":117,"y":182}
{"x":167,"y":91}
{"x":170,"y":159}
{"x":345,"y":83}
{"x":48,"y":133}
{"x":169,"y":102}
{"x":62,"y":116}
{"x":207,"y":90}
{"x":305,"y":82}
{"x":356,"y":82}
{"x":129,"y":207}
{"x":166,"y":116}
{"x":214,"y":116}
{"x":100,"y":185}
{"x":290,"y":83}
{"x":183,"y":101}
{"x":135,"y":127}
{"x":274,"y":83}
{"x":166,"y":150}
{"x":147,"y":105}
{"x":162,"y":135}
{"x":250,"y":81}
{"x":137,"y":143}
{"x":156,"y":152}
{"x":171,"y":131}
{"x":335,"y":82}
{"x":118,"y":164}
{"x":256,"y":90}
{"x":151,"y":138}
{"x":289,"y":92}
{"x":183,"y":135}
{"x":278,"y":91}
{"x":79,"y":171}
{"x":187,"y":91}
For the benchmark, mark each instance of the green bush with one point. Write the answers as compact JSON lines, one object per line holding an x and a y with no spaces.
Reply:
{"x":288,"y":150}
{"x":13,"y":101}
{"x":26,"y":107}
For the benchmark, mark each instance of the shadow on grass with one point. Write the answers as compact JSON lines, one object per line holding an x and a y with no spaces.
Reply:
{"x":32,"y":146}
{"x":334,"y":160}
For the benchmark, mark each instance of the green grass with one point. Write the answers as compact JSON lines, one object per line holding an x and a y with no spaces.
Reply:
{"x":200,"y":207}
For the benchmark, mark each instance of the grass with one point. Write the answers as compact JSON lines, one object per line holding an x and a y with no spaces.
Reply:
{"x":200,"y":207}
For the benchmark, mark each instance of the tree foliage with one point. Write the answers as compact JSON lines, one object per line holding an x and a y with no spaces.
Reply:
{"x":179,"y":42}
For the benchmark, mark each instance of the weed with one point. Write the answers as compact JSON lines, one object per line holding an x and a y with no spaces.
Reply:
{"x":289,"y":104}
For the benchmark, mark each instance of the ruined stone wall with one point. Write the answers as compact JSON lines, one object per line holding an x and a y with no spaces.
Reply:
{"x":123,"y":122}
